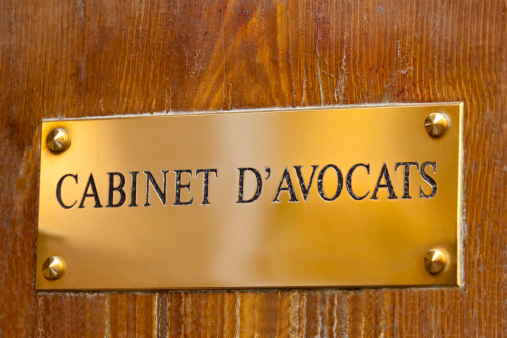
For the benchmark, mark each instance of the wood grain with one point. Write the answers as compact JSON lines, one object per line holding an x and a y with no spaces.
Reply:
{"x":93,"y":58}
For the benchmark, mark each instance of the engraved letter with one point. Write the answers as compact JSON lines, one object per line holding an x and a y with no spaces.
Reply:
{"x":94,"y":194}
{"x":349,"y":181}
{"x":429,"y":180}
{"x":178,"y":201}
{"x":258,"y":189}
{"x":286,"y":178}
{"x":384,"y":173}
{"x":149,"y":178}
{"x":305,"y":190}
{"x":320,"y":183}
{"x":133,"y":197}
{"x":59,"y":191}
{"x":119,"y":189}
{"x":206,"y":182}
{"x":407,"y":165}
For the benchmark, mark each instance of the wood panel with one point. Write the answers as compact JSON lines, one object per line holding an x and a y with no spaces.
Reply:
{"x":92,"y":58}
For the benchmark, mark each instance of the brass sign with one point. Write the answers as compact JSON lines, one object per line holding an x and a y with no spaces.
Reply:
{"x":364,"y":196}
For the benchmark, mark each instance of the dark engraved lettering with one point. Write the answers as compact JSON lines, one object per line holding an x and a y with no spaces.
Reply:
{"x":151,"y":179}
{"x":320,"y":182}
{"x":305,"y":190}
{"x":384,"y":174}
{"x":59,"y":191}
{"x":133,"y":196}
{"x":258,"y":189}
{"x":349,"y":181}
{"x":206,"y":182}
{"x":119,"y":189}
{"x":286,"y":178}
{"x":406,"y":193}
{"x":268,"y":171}
{"x":117,"y":182}
{"x":177,"y":200}
{"x":428,"y":179}
{"x":94,"y":194}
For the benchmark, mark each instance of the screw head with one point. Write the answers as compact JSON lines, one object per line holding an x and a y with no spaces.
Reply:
{"x":58,"y":140}
{"x":436,"y":124}
{"x":435,"y":261}
{"x":53,"y":268}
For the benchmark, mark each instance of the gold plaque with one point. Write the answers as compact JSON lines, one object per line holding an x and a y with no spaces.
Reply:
{"x":353,"y":197}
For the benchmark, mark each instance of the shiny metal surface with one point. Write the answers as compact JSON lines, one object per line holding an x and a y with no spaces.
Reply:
{"x":435,"y":261}
{"x":53,"y":268}
{"x":58,"y":140}
{"x":306,"y":236}
{"x":436,"y":124}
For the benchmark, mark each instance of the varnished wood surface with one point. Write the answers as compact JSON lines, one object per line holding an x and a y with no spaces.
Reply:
{"x":90,"y":58}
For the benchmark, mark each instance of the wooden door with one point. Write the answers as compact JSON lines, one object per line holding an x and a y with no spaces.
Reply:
{"x":96,"y":58}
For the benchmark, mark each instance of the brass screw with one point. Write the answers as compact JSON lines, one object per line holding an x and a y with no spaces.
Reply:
{"x":436,"y":124}
{"x":53,"y":267}
{"x":435,"y":261}
{"x":58,"y":140}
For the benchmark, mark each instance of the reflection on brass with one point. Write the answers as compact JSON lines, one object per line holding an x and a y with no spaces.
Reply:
{"x":58,"y":140}
{"x":53,"y":268}
{"x":436,"y":124}
{"x":252,"y":199}
{"x":434,"y":261}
